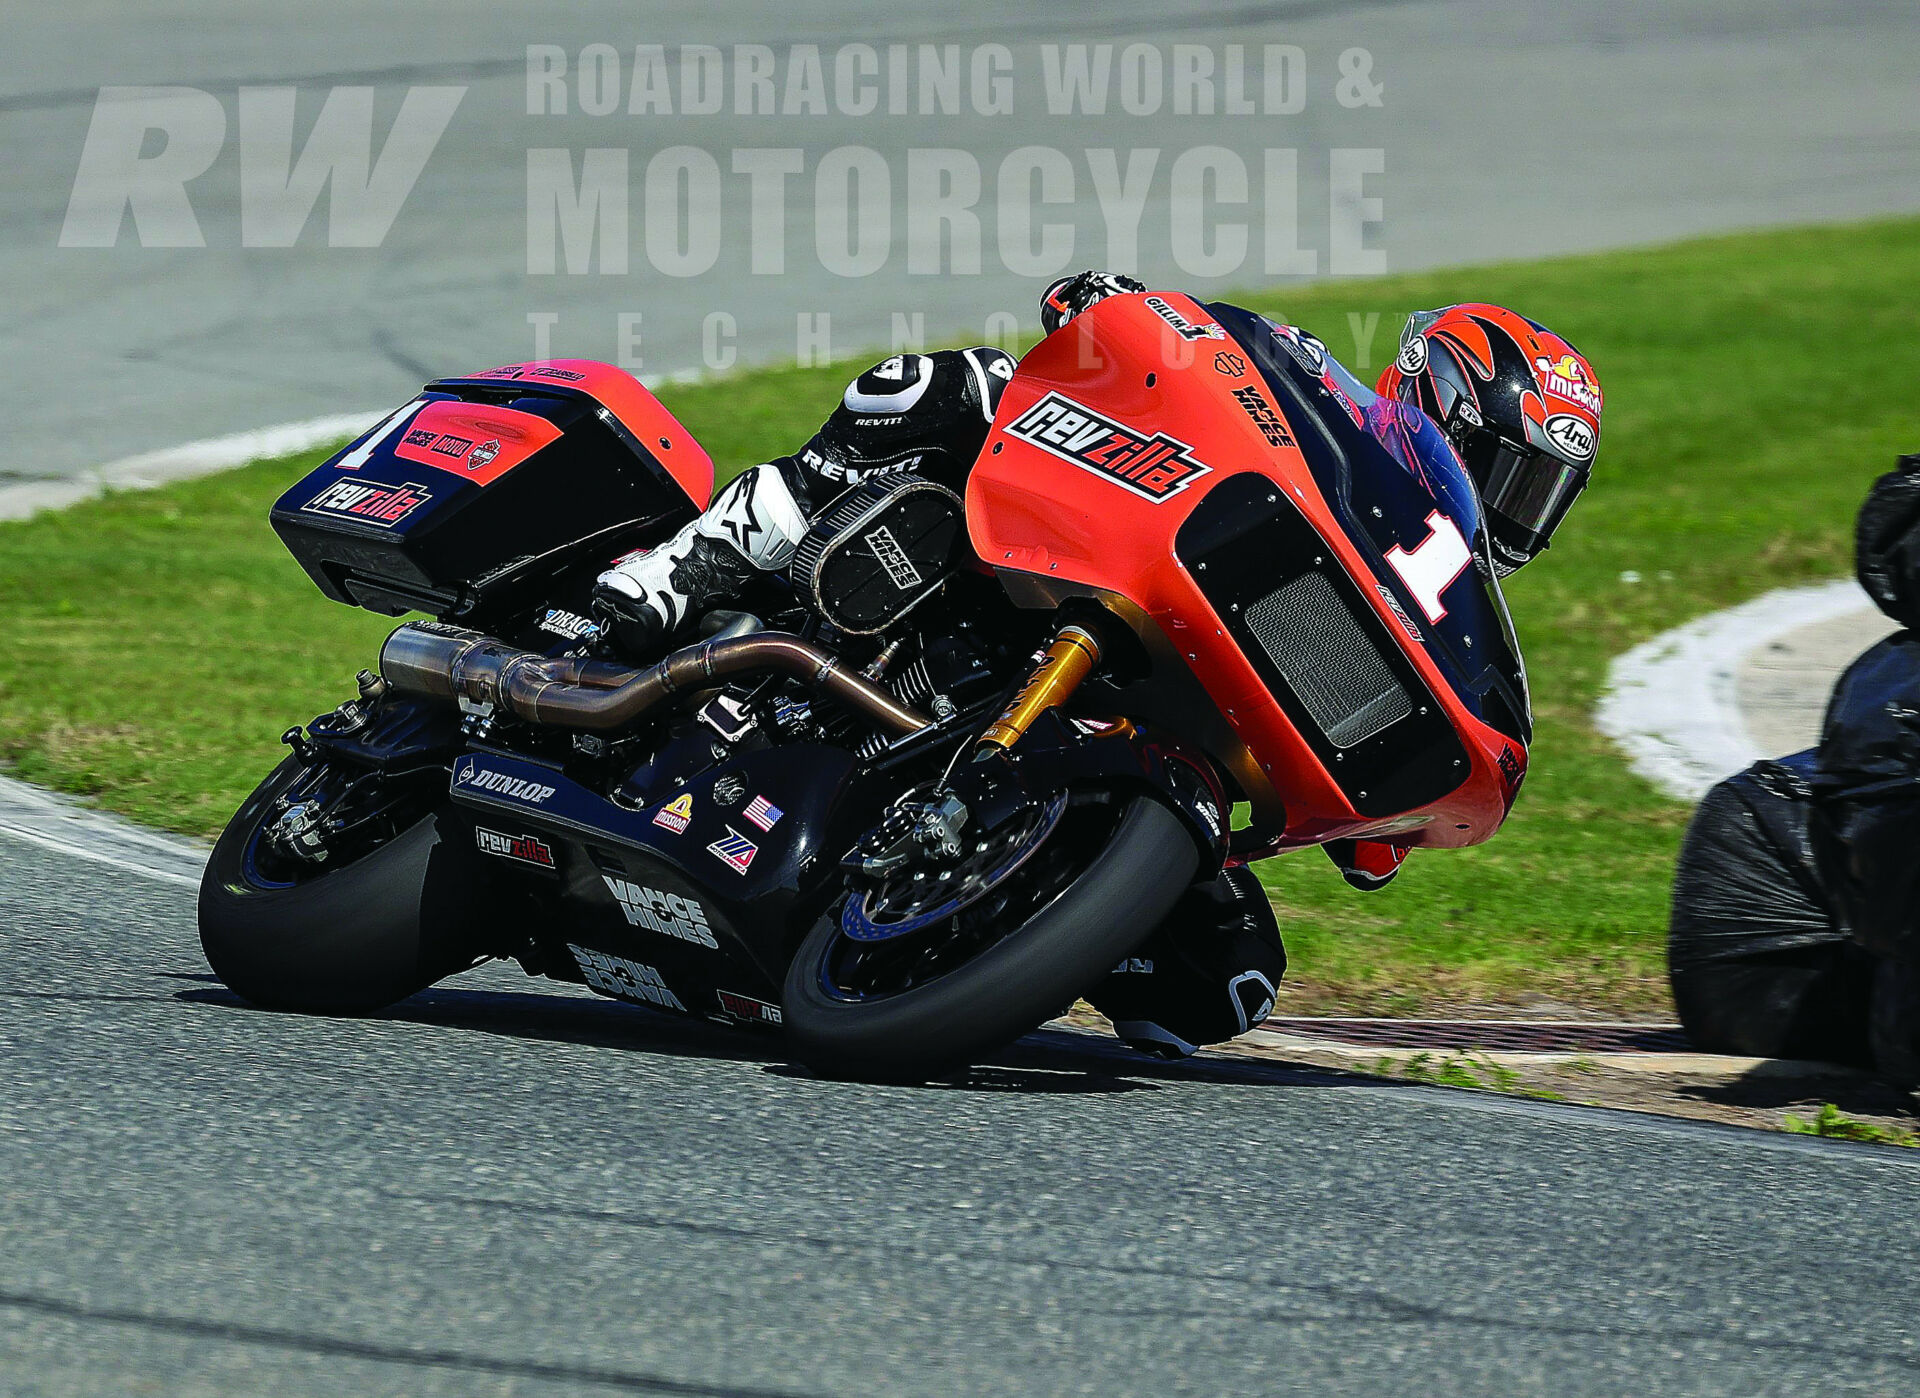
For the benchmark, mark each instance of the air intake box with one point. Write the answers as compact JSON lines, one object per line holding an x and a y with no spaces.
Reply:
{"x":878,"y":550}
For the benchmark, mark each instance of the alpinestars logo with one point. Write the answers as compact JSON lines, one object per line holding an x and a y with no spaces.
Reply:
{"x":515,"y":788}
{"x":666,"y":913}
{"x":1184,"y":328}
{"x":382,"y":505}
{"x":893,"y":558}
{"x":523,"y":848}
{"x":624,"y":979}
{"x":1155,"y":468}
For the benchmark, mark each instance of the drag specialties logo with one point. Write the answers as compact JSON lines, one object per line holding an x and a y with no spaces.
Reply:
{"x":745,"y":1007}
{"x":624,"y":979}
{"x":734,"y":850}
{"x":381,"y":505}
{"x":893,"y":558}
{"x":525,"y":849}
{"x":500,"y":784}
{"x":1572,"y":435}
{"x":676,"y":815}
{"x":1184,"y":328}
{"x":666,"y":913}
{"x":1256,"y":407}
{"x":1155,"y":468}
{"x":571,"y":625}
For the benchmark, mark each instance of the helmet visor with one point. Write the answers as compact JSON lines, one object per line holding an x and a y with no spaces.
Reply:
{"x":1531,"y":490}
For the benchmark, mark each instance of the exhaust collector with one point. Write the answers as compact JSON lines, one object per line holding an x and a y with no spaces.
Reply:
{"x":434,"y":661}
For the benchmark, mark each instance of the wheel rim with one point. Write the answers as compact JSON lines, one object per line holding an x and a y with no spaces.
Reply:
{"x":367,"y":811}
{"x":1029,"y":876}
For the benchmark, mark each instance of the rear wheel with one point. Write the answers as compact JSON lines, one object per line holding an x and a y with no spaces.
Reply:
{"x":1069,"y":892}
{"x":388,"y":912}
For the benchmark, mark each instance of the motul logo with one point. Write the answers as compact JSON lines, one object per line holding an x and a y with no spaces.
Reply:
{"x":1155,"y":468}
{"x":384,"y":505}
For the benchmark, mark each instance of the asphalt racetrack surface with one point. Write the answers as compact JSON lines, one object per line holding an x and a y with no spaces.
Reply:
{"x":505,"y":1188}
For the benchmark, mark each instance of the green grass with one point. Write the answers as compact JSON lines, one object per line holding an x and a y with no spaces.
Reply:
{"x":159,"y":642}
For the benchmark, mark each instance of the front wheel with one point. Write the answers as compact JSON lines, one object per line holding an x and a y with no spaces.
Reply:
{"x":368,"y":926}
{"x":937,"y":997}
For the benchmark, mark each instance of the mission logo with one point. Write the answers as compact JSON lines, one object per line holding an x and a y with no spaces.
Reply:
{"x":1155,"y":468}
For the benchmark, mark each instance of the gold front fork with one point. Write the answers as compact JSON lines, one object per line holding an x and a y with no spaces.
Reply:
{"x":1069,"y":660}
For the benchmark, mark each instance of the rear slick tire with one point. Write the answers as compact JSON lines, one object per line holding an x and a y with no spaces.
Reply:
{"x":1010,"y":989}
{"x":354,"y":939}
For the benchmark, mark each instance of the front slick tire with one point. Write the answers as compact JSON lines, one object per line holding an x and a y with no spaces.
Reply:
{"x":1015,"y":985}
{"x":354,"y":939}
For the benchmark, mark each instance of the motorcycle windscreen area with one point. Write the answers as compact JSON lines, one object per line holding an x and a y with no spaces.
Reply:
{"x":1385,"y":468}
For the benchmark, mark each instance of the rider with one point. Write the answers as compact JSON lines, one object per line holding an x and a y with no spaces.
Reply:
{"x":1519,"y":404}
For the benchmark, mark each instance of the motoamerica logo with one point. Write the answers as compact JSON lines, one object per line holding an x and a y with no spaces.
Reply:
{"x":515,"y":788}
{"x":383,"y":505}
{"x":1155,"y":468}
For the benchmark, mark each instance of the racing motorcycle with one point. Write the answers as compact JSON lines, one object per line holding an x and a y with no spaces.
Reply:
{"x":931,"y":785}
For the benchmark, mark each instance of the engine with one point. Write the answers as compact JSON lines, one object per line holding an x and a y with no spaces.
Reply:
{"x":878,"y":550}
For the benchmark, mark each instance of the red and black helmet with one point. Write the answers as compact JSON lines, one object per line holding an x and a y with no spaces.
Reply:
{"x":1520,"y":405}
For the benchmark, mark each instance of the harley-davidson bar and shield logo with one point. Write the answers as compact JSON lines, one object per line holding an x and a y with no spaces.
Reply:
{"x":1155,"y":468}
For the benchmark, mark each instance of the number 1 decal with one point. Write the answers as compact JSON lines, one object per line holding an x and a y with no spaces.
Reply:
{"x":1429,"y":569}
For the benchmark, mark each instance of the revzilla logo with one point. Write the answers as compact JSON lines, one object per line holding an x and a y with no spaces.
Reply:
{"x":1155,"y":468}
{"x":1184,"y":328}
{"x":382,"y":505}
{"x":499,"y":783}
{"x":524,"y":848}
{"x":736,"y":1006}
{"x":667,"y":913}
{"x":893,"y":558}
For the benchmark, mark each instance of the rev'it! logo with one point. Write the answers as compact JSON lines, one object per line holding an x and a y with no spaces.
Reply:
{"x":1155,"y":468}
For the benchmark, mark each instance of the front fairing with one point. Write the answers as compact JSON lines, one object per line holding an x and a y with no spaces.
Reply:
{"x":1383,"y":467}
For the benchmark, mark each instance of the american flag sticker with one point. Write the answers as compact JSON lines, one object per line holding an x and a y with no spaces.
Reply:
{"x":734,"y":850}
{"x":763,"y":813}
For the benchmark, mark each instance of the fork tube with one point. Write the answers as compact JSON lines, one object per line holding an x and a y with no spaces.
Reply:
{"x":1069,"y":660}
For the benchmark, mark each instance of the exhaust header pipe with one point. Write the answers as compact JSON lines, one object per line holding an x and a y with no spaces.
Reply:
{"x":434,"y":661}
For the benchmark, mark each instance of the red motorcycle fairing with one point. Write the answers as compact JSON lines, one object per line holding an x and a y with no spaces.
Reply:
{"x":641,"y":415}
{"x":1141,"y":457}
{"x":484,"y":480}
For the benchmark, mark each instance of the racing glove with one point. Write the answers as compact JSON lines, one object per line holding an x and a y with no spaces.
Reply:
{"x":1069,"y":296}
{"x":752,"y":527}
